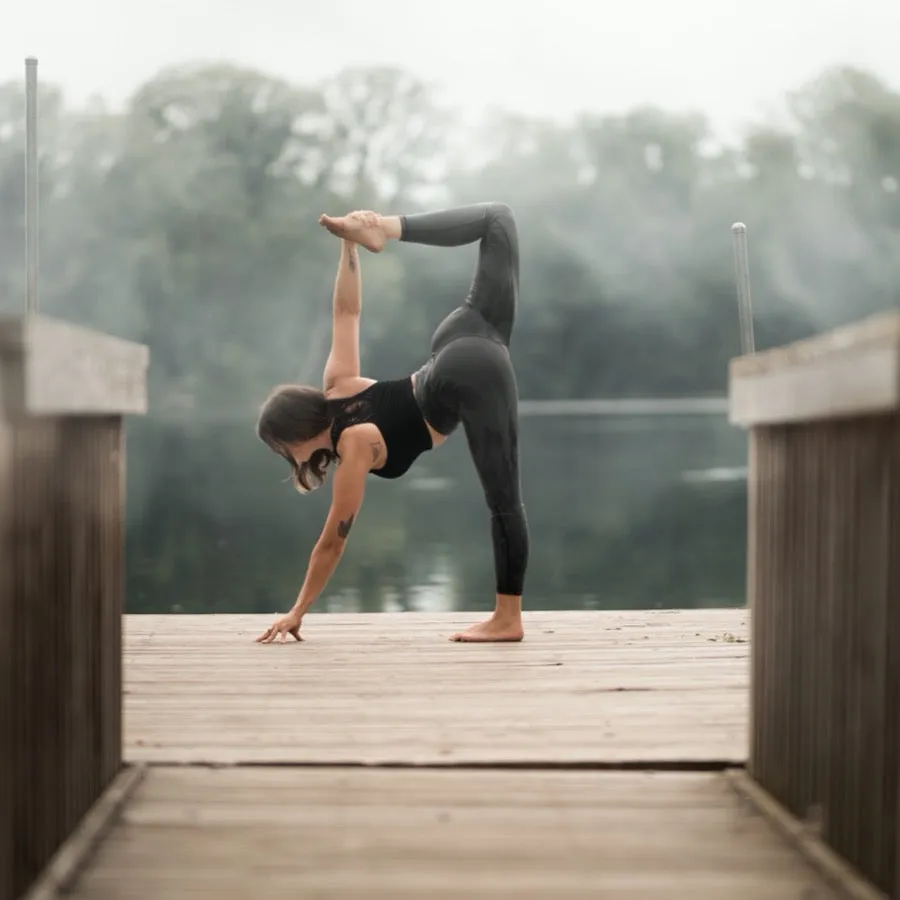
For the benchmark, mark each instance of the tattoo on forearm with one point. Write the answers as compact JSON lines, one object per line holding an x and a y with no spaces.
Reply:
{"x":351,"y":259}
{"x":345,"y":526}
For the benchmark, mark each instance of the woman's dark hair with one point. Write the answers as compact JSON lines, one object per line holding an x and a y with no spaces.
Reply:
{"x":295,"y":413}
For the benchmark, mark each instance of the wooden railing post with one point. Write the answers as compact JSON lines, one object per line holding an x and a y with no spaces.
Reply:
{"x":63,"y":393}
{"x":824,"y":584}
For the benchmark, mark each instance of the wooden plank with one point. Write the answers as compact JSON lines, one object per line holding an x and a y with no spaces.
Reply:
{"x":584,"y":687}
{"x":61,"y":590}
{"x":350,"y":833}
{"x":825,"y":728}
{"x":850,"y":371}
{"x":61,"y":553}
{"x":49,"y":367}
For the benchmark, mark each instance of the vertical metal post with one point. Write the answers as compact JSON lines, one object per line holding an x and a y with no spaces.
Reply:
{"x":31,"y":184}
{"x":742,"y":276}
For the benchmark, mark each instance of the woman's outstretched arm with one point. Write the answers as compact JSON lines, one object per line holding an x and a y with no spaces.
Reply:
{"x":343,"y":360}
{"x":349,"y":489}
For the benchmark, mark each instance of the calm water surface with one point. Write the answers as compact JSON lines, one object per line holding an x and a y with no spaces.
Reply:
{"x":638,"y":513}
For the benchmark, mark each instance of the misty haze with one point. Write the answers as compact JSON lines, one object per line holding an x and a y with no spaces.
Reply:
{"x":185,"y":218}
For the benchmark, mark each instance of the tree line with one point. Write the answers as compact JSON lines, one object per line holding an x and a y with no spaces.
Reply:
{"x":187,"y":220}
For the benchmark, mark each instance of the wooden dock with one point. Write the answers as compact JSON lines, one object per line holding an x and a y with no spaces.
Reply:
{"x":619,"y":755}
{"x":377,"y":759}
{"x":583,"y":688}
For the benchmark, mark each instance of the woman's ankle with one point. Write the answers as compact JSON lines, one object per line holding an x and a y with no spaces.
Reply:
{"x":391,"y":227}
{"x":508,"y":608}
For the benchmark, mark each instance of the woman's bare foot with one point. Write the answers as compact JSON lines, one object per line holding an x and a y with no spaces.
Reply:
{"x":504,"y":625}
{"x":363,"y":228}
{"x":494,"y":630}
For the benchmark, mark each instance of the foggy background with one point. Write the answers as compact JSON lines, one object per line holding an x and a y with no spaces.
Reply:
{"x":187,"y":150}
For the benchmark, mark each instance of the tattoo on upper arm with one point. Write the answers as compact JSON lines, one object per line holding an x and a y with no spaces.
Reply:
{"x":345,"y":526}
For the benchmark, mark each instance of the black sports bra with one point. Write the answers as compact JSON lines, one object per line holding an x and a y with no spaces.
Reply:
{"x":392,"y":407}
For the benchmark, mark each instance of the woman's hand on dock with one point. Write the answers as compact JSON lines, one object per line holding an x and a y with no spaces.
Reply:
{"x":289,"y":624}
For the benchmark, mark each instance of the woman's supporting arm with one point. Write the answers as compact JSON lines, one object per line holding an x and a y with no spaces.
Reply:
{"x":349,"y":489}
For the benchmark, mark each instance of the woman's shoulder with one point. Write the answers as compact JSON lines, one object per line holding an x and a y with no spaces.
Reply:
{"x":362,"y":442}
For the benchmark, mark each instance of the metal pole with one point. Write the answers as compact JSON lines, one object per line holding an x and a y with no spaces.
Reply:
{"x":31,"y":184}
{"x":742,"y":276}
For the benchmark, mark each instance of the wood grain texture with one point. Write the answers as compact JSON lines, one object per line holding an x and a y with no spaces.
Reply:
{"x":344,"y":834}
{"x":61,"y":554}
{"x":584,"y":687}
{"x":825,"y":594}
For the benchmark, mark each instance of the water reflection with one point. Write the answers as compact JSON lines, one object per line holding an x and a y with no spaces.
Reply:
{"x":641,"y":512}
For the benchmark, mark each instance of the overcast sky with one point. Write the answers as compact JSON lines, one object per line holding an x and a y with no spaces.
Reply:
{"x":732,"y":60}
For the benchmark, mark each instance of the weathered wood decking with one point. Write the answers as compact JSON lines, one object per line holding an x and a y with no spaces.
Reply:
{"x":423,"y":834}
{"x":379,"y":760}
{"x":584,"y":687}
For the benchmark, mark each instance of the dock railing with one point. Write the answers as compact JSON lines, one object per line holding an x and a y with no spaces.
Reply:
{"x":824,"y":585}
{"x":64,"y":391}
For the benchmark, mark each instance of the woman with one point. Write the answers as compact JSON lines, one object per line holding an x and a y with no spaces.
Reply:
{"x":382,"y":427}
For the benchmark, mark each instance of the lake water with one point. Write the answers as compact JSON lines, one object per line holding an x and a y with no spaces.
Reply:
{"x":625,"y":513}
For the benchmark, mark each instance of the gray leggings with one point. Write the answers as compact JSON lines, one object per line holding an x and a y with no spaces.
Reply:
{"x":470,"y":378}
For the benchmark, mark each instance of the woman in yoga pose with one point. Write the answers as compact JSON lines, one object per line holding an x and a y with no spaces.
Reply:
{"x":381,"y":427}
